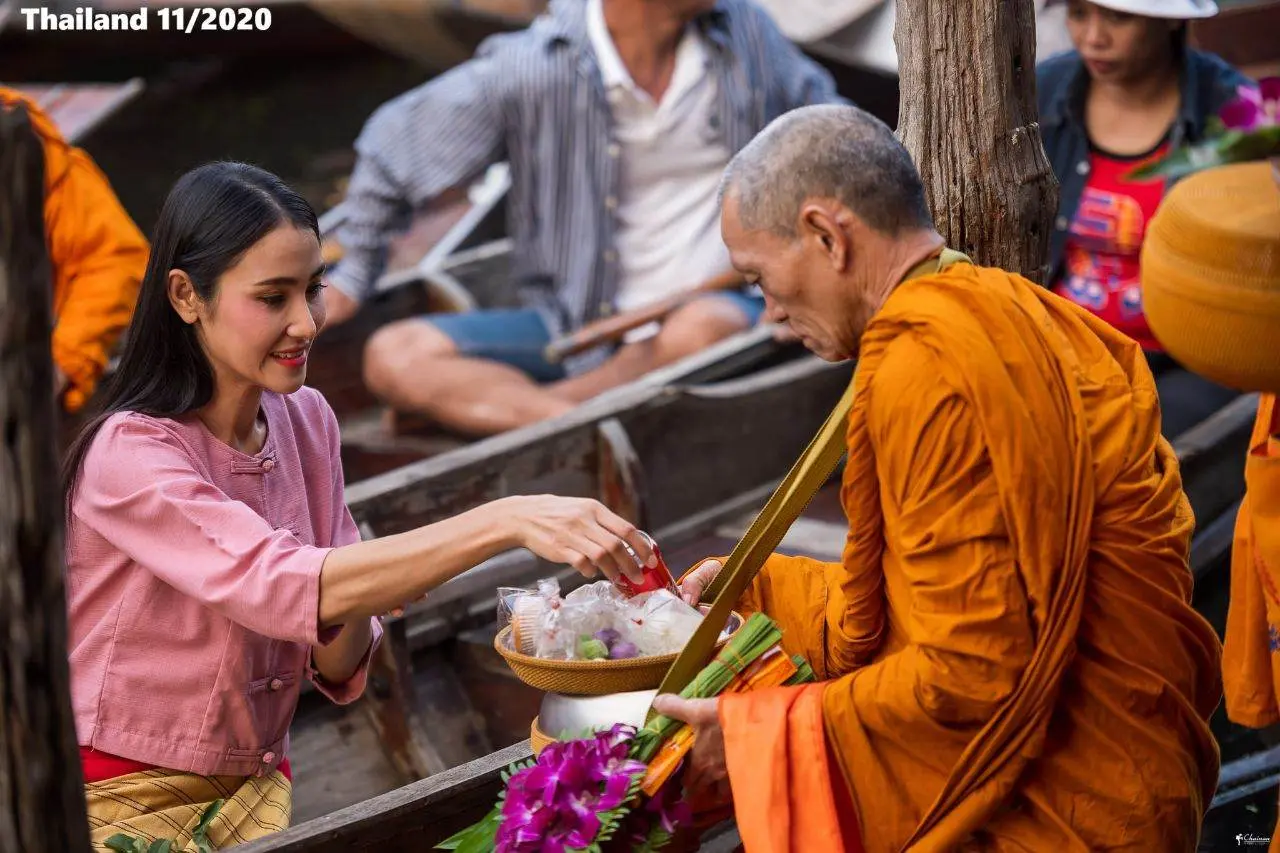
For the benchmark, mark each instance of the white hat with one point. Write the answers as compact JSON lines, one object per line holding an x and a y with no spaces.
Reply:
{"x":1179,"y":10}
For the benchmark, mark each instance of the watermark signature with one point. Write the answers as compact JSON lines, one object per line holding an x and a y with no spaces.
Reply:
{"x":1244,"y":839}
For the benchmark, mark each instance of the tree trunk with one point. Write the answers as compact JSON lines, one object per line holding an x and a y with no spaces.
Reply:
{"x":41,"y":788}
{"x":968,"y":116}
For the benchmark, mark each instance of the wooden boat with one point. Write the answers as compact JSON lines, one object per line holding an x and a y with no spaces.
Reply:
{"x":78,"y":108}
{"x":417,"y":816}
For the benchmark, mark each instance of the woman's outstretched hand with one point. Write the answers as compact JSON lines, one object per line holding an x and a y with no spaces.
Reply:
{"x":582,"y":533}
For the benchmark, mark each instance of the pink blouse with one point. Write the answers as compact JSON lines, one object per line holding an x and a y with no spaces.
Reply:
{"x":193,"y":585}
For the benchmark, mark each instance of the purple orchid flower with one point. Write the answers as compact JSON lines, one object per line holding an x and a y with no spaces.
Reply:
{"x":1253,"y":107}
{"x":557,"y":803}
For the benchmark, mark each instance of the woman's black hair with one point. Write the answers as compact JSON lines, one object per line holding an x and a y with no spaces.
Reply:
{"x":1180,"y":40}
{"x":213,"y":215}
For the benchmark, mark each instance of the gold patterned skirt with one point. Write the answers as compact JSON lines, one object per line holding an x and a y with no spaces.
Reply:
{"x":166,"y":804}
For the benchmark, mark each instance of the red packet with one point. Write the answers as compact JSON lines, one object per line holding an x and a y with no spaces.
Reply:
{"x":658,"y":577}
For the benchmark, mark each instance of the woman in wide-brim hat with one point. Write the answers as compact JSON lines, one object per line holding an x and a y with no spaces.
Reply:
{"x":1131,"y":90}
{"x":1211,"y":269}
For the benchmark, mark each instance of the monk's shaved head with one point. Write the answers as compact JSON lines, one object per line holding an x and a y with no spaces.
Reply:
{"x":827,"y":151}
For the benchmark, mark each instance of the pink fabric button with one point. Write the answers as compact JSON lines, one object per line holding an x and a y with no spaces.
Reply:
{"x":268,"y":757}
{"x":275,"y":684}
{"x":268,"y":464}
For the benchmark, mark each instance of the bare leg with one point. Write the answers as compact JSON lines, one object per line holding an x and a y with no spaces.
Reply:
{"x":686,"y":331}
{"x":414,"y":367}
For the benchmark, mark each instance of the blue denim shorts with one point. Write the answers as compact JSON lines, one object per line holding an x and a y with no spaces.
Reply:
{"x":518,"y":337}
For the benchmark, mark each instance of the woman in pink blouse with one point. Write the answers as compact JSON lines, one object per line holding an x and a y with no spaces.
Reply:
{"x":211,"y":561}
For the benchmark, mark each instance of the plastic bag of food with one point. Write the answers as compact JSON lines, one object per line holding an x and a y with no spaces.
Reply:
{"x":528,"y":613}
{"x":595,"y":622}
{"x":660,"y":623}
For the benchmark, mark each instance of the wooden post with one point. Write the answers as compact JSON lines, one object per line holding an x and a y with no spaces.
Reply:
{"x":41,"y":786}
{"x":968,"y":116}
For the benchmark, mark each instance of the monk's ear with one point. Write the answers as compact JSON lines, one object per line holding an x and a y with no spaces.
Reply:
{"x":183,"y":296}
{"x":822,"y":227}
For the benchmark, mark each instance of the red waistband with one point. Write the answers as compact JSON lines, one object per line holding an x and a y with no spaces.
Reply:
{"x":101,"y":766}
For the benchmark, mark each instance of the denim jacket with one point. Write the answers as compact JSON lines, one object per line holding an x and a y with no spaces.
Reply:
{"x":1207,"y":82}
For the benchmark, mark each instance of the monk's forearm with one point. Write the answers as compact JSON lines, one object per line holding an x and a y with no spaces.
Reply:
{"x":338,"y":661}
{"x":928,"y":688}
{"x":374,"y":577}
{"x":833,"y":617}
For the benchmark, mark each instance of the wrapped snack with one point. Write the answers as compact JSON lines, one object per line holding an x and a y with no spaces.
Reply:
{"x":528,"y":611}
{"x":662,"y":624}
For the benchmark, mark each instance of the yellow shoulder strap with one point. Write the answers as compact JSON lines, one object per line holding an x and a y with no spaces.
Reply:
{"x":797,"y":489}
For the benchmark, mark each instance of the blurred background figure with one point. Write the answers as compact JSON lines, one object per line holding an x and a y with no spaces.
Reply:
{"x":1129,"y":91}
{"x":97,"y":255}
{"x":618,"y":118}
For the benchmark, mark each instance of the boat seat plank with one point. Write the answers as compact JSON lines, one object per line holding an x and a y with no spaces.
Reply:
{"x":409,"y":819}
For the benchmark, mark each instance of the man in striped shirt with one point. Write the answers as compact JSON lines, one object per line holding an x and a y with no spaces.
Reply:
{"x":618,"y":118}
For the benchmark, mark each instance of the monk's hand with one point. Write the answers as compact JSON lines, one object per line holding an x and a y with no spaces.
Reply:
{"x":707,"y":770}
{"x":696,"y":582}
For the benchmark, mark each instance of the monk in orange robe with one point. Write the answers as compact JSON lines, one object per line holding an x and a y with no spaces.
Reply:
{"x":1211,"y":273}
{"x":98,"y":257}
{"x":1007,"y":653}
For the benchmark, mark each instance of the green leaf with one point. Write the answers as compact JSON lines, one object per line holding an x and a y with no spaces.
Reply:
{"x":1231,"y":146}
{"x":479,"y":836}
{"x":122,"y":843}
{"x":161,"y":845}
{"x":209,"y":814}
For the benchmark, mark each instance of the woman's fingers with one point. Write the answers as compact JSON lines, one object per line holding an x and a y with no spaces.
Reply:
{"x":606,"y":552}
{"x":641,"y":546}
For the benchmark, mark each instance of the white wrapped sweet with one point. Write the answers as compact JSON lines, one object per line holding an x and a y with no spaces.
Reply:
{"x":661,"y":623}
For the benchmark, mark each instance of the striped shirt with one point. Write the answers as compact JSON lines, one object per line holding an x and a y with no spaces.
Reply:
{"x":536,"y":99}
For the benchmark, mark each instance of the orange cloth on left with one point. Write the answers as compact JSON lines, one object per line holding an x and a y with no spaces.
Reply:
{"x":97,"y":253}
{"x":1010,"y":655}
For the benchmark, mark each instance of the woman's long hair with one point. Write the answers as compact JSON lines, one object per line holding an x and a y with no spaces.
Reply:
{"x":213,"y":215}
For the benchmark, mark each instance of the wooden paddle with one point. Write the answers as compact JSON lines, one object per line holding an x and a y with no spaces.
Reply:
{"x":611,"y":329}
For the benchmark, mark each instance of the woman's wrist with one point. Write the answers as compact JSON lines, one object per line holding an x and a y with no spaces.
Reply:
{"x":502,"y":516}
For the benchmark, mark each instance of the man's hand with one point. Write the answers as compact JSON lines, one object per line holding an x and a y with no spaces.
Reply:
{"x":338,"y":307}
{"x":696,"y":582}
{"x":707,"y":771}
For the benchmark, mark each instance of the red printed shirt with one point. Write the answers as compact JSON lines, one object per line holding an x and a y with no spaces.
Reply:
{"x":1101,"y":271}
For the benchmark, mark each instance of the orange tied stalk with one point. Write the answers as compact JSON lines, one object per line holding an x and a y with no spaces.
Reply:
{"x":773,"y":668}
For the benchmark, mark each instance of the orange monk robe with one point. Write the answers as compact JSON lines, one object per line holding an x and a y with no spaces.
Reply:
{"x":1009,"y":653}
{"x":97,"y":253}
{"x":1251,"y":659}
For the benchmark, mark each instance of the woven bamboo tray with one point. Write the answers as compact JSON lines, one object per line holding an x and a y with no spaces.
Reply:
{"x":591,"y":677}
{"x":538,"y":738}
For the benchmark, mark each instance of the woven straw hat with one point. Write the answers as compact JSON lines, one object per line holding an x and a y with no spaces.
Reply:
{"x":1211,"y":275}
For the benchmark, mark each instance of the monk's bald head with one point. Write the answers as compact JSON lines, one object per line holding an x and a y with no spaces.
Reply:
{"x":828,"y":151}
{"x":825,"y":211}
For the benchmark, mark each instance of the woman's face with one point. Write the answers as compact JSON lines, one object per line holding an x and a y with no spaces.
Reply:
{"x":265,"y":312}
{"x":1118,"y":47}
